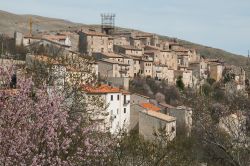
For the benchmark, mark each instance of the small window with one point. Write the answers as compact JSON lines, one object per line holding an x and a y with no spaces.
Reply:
{"x":111,"y":97}
{"x":118,"y":97}
{"x":124,"y":110}
{"x":117,"y":111}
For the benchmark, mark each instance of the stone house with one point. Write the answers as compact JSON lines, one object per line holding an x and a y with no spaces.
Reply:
{"x":129,"y":60}
{"x":183,"y":117}
{"x":215,"y":68}
{"x":58,"y":38}
{"x":28,"y":40}
{"x":110,"y":44}
{"x":128,"y":50}
{"x":186,"y":77}
{"x":200,"y":72}
{"x":171,"y":77}
{"x":169,"y":58}
{"x":147,"y":66}
{"x":121,"y":41}
{"x":92,"y":41}
{"x":135,"y":63}
{"x":238,"y":75}
{"x":136,"y":42}
{"x":193,"y":56}
{"x":153,"y":123}
{"x":183,"y":62}
{"x":136,"y":100}
{"x":147,"y":39}
{"x":160,"y":72}
{"x":112,"y":68}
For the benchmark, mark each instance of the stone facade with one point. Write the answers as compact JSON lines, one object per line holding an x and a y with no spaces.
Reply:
{"x":152,"y":123}
{"x":112,"y":68}
{"x":91,"y":41}
{"x":128,"y":50}
{"x":183,"y":117}
{"x":215,"y":71}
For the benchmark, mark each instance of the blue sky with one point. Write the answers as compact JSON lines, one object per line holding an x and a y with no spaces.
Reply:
{"x":222,"y":24}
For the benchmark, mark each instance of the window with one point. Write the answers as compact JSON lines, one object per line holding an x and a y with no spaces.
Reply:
{"x":111,"y":97}
{"x":111,"y":112}
{"x":125,"y":99}
{"x":118,"y":97}
{"x":117,"y":111}
{"x":124,"y":110}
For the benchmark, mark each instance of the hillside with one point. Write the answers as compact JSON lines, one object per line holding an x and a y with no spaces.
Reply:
{"x":12,"y":22}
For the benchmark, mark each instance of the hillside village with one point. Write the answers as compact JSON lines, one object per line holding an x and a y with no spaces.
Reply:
{"x":117,"y":57}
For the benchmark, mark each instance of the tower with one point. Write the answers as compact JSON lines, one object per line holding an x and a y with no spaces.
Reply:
{"x":108,"y":23}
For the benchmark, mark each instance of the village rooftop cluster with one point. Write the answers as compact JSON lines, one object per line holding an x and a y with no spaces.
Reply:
{"x":117,"y":57}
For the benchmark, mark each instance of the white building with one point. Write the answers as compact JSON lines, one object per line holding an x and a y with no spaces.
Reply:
{"x":117,"y":104}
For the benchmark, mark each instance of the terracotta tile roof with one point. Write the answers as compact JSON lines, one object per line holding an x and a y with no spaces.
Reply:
{"x":103,"y":89}
{"x":129,"y":47}
{"x":161,"y":116}
{"x":94,"y":33}
{"x":150,"y":106}
{"x":151,"y":47}
{"x":113,"y":62}
{"x":181,"y":49}
{"x":112,"y":55}
{"x":55,"y":37}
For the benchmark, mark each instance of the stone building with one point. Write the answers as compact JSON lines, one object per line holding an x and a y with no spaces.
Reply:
{"x":28,"y":40}
{"x":215,"y":68}
{"x":183,"y":117}
{"x":136,"y":42}
{"x":58,"y":38}
{"x":92,"y":41}
{"x":169,"y":58}
{"x":112,"y":68}
{"x":236,"y":75}
{"x":153,"y":123}
{"x":147,"y":66}
{"x":200,"y":72}
{"x":186,"y":77}
{"x":160,"y":72}
{"x":110,"y":44}
{"x":128,"y":50}
{"x":147,"y":38}
{"x":121,"y":41}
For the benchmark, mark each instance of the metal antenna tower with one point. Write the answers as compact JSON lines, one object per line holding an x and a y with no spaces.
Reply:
{"x":108,"y":23}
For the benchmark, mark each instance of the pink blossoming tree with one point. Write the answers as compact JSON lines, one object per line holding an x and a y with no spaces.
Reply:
{"x":38,"y":128}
